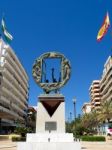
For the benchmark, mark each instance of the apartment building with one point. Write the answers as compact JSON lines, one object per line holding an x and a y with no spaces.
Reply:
{"x":95,"y":97}
{"x":101,"y":90}
{"x":13,"y":88}
{"x":106,"y":81}
{"x":86,"y":108}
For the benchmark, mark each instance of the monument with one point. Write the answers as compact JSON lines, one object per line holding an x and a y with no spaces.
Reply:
{"x":50,"y":123}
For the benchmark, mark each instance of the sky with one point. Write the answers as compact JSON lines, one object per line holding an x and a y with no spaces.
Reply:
{"x":66,"y":26}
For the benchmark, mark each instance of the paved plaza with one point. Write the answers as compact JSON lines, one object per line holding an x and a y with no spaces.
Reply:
{"x":96,"y":145}
{"x":8,"y":145}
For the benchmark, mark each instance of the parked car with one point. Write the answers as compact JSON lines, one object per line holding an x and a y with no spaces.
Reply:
{"x":109,"y":132}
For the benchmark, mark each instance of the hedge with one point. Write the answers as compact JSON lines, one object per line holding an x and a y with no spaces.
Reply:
{"x":4,"y":137}
{"x":15,"y":139}
{"x":93,"y":138}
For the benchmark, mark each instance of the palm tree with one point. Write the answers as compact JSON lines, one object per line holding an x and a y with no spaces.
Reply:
{"x":105,"y":113}
{"x":89,"y":120}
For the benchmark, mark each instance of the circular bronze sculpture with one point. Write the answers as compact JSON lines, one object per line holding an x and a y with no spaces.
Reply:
{"x":64,"y":72}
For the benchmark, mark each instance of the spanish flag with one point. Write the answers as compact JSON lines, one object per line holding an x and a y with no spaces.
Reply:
{"x":104,"y":28}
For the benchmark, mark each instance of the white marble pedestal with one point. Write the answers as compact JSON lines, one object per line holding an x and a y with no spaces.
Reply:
{"x":49,"y":141}
{"x":50,"y":127}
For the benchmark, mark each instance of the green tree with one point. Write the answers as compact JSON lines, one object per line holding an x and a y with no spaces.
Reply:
{"x":22,"y":131}
{"x":85,"y":124}
{"x":90,"y":120}
{"x":77,"y":127}
{"x":68,"y":127}
{"x":105,"y":113}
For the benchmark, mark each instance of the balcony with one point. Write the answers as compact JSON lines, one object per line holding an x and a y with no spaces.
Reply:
{"x":17,"y":60}
{"x":13,"y":72}
{"x":13,"y":97}
{"x":4,"y":100}
{"x":97,"y":107}
{"x":96,"y":90}
{"x":6,"y":113}
{"x":104,"y":97}
{"x":106,"y":79}
{"x":107,"y":86}
{"x":18,"y":109}
{"x":97,"y":98}
{"x":10,"y":77}
{"x":13,"y":89}
{"x":14,"y":63}
{"x":96,"y":94}
{"x":97,"y":103}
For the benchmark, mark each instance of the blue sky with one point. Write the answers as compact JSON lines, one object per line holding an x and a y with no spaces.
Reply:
{"x":66,"y":26}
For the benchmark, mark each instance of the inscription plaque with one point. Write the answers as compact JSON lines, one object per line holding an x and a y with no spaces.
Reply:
{"x":50,"y":126}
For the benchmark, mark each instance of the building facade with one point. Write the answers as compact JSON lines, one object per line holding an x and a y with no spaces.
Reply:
{"x":86,"y":108}
{"x":106,"y":81}
{"x":13,"y":88}
{"x":95,"y":97}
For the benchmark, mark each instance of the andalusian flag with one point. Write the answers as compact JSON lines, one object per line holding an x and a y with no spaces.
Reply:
{"x":104,"y":28}
{"x":7,"y":35}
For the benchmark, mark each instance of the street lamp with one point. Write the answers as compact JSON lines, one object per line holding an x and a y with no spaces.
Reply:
{"x":74,"y":102}
{"x":70,"y":117}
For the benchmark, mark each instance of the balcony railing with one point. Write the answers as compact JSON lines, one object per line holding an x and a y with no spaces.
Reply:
{"x":10,"y":86}
{"x":9,"y":76}
{"x":14,"y":98}
{"x":104,"y":82}
{"x":106,"y":87}
{"x":11,"y":69}
{"x":9,"y":112}
{"x":18,"y":62}
{"x":14,"y":63}
{"x":104,"y":97}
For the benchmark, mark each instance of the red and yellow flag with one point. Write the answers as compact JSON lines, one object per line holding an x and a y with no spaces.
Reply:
{"x":104,"y":28}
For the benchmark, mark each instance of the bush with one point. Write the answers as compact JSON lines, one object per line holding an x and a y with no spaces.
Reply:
{"x":93,"y":138}
{"x":4,"y":137}
{"x":110,"y":126}
{"x":15,"y":139}
{"x":13,"y":135}
{"x":22,"y":131}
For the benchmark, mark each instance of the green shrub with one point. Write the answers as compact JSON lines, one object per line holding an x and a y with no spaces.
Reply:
{"x":22,"y":131}
{"x":4,"y":137}
{"x":93,"y":138}
{"x":15,"y":139}
{"x":110,"y":126}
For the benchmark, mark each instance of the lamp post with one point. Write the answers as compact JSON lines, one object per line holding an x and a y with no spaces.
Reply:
{"x":74,"y":103}
{"x":70,"y":117}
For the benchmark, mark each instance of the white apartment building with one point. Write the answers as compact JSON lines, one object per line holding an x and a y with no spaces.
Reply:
{"x":86,"y":108}
{"x":13,"y":87}
{"x":106,"y":81}
{"x":95,"y":96}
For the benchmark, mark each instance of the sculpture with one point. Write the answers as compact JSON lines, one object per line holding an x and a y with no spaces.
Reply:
{"x":56,"y":84}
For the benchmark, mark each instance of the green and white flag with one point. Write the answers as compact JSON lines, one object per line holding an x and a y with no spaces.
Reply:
{"x":7,"y":35}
